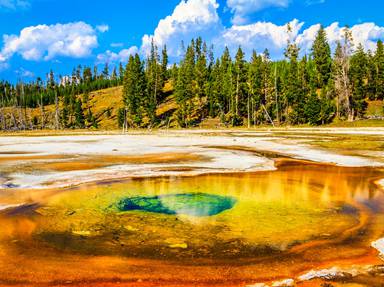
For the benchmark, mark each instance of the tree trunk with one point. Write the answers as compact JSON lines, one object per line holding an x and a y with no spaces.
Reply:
{"x":249,"y":116}
{"x":56,"y":111}
{"x":267,"y":114}
{"x":237,"y":95}
{"x":155,"y":95}
{"x":253,"y":111}
{"x":277,"y":98}
{"x":338,"y":106}
{"x":3,"y":114}
{"x":14,"y":121}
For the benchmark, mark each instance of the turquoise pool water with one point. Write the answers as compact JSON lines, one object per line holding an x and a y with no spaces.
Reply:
{"x":192,"y":204}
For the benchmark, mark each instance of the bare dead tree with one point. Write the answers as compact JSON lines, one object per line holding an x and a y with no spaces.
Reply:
{"x":3,"y":119}
{"x":42,"y":114}
{"x":342,"y":76}
{"x":277,"y":98}
{"x":56,"y":111}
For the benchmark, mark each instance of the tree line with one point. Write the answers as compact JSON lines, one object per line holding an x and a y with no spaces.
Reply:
{"x":311,"y":89}
{"x":315,"y":88}
{"x":70,"y":110}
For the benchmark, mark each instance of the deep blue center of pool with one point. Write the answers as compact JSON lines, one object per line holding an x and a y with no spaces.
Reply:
{"x":193,"y":204}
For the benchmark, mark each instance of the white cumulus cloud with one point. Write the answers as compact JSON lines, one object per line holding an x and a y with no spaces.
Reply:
{"x":24,"y":73}
{"x":45,"y":42}
{"x":190,"y":19}
{"x":3,"y":66}
{"x":14,"y":4}
{"x":243,"y":8}
{"x":314,"y":2}
{"x":366,"y":34}
{"x":260,"y":36}
{"x":116,"y":45}
{"x":120,"y":57}
{"x":102,"y":28}
{"x":194,"y":18}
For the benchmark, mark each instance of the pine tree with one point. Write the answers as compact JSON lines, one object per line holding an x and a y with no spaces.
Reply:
{"x":265,"y":99}
{"x":79,"y":115}
{"x":293,"y":86}
{"x":164,"y":65}
{"x":322,"y":57}
{"x":214,"y":98}
{"x":201,"y":72}
{"x":114,"y":75}
{"x":255,"y":86}
{"x":240,"y":82}
{"x":226,"y":79}
{"x":87,"y":75}
{"x":185,"y":87}
{"x":154,"y":83}
{"x":371,"y":76}
{"x":121,"y":73}
{"x":134,"y":92}
{"x":359,"y":73}
{"x":105,"y":73}
{"x":379,"y":79}
{"x":312,"y":110}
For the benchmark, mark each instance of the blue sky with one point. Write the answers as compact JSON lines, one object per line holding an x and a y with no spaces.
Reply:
{"x":93,"y":32}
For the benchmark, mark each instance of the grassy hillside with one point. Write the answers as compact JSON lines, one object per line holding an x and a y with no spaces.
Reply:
{"x":104,"y":105}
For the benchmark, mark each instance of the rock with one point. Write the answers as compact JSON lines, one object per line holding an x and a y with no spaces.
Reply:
{"x":7,"y":206}
{"x":10,"y":185}
{"x":284,"y":283}
{"x":81,"y":232}
{"x":333,"y":273}
{"x":376,"y":270}
{"x":130,"y":228}
{"x":179,"y":245}
{"x":176,"y":243}
{"x":70,"y":212}
{"x":379,"y":246}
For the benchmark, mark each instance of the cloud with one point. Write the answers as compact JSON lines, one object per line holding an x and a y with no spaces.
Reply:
{"x":241,"y":9}
{"x":43,"y":42}
{"x":116,"y":45}
{"x":366,"y":34}
{"x":3,"y":66}
{"x":102,"y":28}
{"x":24,"y":73}
{"x":306,"y":38}
{"x":259,"y":36}
{"x":120,"y":57}
{"x":190,"y":19}
{"x":194,"y":18}
{"x":14,"y":4}
{"x":314,"y":2}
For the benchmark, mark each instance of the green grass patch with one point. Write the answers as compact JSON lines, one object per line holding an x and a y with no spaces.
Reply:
{"x":353,"y":142}
{"x":368,"y":123}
